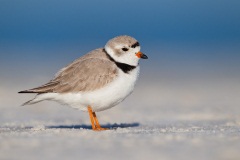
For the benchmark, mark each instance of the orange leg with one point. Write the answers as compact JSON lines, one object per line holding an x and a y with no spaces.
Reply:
{"x":93,"y":118}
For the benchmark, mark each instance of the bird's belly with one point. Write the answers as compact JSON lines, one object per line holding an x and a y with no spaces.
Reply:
{"x":103,"y":98}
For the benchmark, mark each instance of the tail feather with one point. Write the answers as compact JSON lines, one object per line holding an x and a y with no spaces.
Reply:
{"x":27,"y":91}
{"x":32,"y":101}
{"x":46,"y":88}
{"x":39,"y":98}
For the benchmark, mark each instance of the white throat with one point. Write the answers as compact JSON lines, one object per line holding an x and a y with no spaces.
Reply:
{"x":128,"y":58}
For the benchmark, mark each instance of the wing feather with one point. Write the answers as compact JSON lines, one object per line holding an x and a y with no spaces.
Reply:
{"x":80,"y":76}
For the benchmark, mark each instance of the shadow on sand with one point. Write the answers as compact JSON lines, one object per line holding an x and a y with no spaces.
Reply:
{"x":83,"y":126}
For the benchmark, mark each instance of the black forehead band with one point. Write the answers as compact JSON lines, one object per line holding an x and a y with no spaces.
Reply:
{"x":135,"y":45}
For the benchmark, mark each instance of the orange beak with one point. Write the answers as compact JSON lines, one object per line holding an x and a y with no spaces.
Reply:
{"x":141,"y":55}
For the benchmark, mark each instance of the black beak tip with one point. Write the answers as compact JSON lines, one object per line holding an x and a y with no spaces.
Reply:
{"x":144,"y":56}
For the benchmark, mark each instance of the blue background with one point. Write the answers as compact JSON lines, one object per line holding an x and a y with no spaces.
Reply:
{"x":190,"y":41}
{"x":71,"y":21}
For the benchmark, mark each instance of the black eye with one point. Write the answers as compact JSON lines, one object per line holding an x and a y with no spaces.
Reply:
{"x":125,"y":49}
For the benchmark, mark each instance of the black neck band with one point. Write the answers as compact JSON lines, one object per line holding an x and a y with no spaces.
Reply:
{"x":126,"y":68}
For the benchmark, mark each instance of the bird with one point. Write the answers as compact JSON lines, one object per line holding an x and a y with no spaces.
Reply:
{"x":96,"y":81}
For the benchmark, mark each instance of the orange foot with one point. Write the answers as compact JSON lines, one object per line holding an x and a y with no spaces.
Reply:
{"x":95,"y":124}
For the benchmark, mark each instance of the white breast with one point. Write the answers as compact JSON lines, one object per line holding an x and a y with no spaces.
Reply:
{"x":103,"y":98}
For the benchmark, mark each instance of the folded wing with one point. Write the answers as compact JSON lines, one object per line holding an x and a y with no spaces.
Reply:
{"x":80,"y":76}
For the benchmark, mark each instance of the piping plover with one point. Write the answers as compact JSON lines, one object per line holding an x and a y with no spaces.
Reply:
{"x":96,"y":81}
